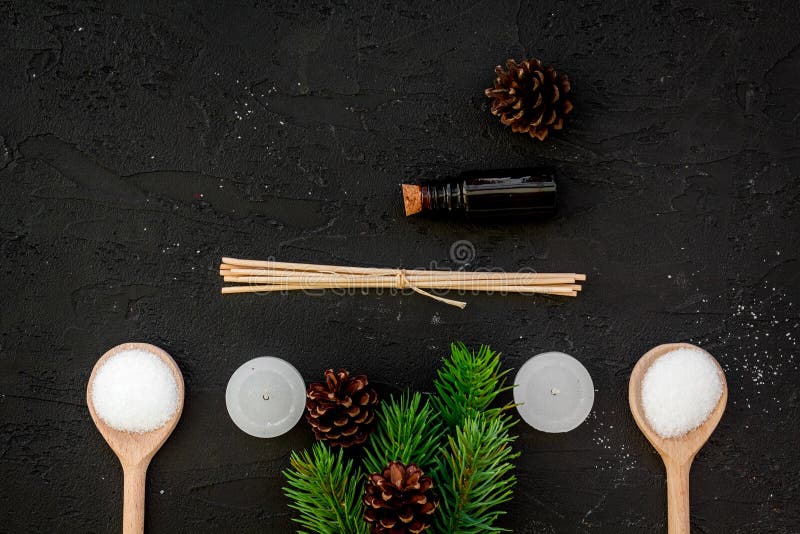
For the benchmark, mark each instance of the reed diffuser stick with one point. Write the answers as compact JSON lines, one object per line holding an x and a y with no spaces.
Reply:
{"x":387,"y":281}
{"x":234,"y":270}
{"x":256,"y":276}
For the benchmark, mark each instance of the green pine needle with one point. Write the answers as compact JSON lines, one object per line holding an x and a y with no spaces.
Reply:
{"x":475,"y":476}
{"x":468,"y":383}
{"x":326,"y":490}
{"x":407,"y":431}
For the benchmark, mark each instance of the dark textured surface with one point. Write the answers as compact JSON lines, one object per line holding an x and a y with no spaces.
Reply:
{"x":141,"y":142}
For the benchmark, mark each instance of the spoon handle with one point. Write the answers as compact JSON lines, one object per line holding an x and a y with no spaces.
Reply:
{"x":133,"y":501}
{"x":678,"y":496}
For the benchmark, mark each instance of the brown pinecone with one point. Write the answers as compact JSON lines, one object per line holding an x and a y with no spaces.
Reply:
{"x":341,"y":409}
{"x":399,"y":500}
{"x":530,"y":98}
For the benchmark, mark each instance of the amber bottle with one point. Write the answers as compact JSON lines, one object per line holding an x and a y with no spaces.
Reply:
{"x":513,"y":193}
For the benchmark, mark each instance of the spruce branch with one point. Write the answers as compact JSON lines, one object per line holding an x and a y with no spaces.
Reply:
{"x":325,"y":489}
{"x":468,"y":383}
{"x":475,"y":476}
{"x":407,"y":431}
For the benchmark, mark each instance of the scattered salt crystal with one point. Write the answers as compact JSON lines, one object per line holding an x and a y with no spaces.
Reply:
{"x":679,"y":391}
{"x":134,"y":391}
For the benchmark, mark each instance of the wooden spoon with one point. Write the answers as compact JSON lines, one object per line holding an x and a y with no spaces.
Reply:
{"x":133,"y":449}
{"x":677,"y":453}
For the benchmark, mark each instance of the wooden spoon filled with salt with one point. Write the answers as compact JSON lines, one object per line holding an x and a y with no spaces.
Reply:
{"x":135,"y":397}
{"x":677,"y":394}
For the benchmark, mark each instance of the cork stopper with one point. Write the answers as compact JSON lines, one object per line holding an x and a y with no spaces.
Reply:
{"x":412,"y":198}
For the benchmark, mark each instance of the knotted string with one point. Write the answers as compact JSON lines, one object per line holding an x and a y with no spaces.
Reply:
{"x":403,"y":283}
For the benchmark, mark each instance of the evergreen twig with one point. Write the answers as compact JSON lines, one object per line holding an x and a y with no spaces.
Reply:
{"x":325,"y":488}
{"x":475,"y":477}
{"x":407,"y":431}
{"x":468,"y":383}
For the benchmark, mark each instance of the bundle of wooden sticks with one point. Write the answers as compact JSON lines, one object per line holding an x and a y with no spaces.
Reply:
{"x":263,"y":276}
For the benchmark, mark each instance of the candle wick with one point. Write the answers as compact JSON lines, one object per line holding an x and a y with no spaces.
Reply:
{"x":265,"y":396}
{"x":555,"y":391}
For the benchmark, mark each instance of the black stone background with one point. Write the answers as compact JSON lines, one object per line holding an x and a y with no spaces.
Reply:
{"x":142,"y":141}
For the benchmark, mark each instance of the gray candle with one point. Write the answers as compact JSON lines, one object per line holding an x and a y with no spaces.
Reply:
{"x":554,"y":392}
{"x":266,"y":397}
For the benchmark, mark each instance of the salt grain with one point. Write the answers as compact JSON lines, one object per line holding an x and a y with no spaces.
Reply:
{"x":134,"y":391}
{"x":679,"y":391}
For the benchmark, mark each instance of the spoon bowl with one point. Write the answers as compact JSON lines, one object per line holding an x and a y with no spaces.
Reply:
{"x":678,"y":452}
{"x":134,"y":449}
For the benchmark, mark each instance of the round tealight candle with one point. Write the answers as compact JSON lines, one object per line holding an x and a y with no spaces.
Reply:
{"x":266,"y":397}
{"x":554,"y":392}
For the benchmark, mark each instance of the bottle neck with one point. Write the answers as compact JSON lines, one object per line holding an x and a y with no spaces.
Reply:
{"x":443,"y":197}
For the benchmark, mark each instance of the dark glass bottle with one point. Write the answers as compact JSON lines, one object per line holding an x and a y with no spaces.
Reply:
{"x":494,"y":193}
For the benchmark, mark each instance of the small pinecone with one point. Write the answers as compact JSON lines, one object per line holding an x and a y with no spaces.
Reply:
{"x":341,"y":409}
{"x":399,"y":500}
{"x":530,"y":98}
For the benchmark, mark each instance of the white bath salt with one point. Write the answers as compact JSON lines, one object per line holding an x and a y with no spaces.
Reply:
{"x":679,"y":391}
{"x":134,"y":391}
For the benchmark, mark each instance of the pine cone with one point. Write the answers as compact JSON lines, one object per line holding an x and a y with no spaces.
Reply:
{"x":341,"y":409}
{"x":530,"y":98}
{"x":399,"y":500}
